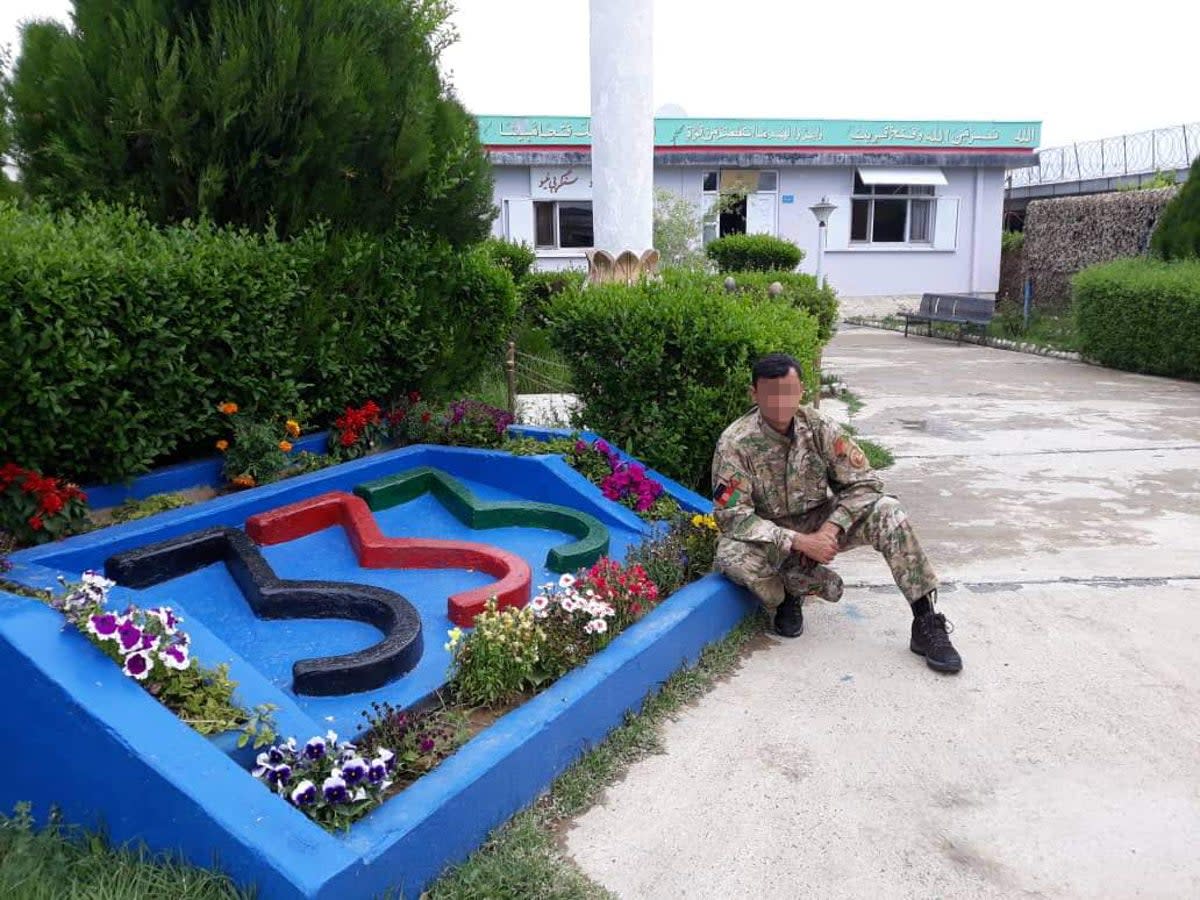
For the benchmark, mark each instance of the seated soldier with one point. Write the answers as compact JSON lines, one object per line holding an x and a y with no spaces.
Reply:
{"x":791,"y":490}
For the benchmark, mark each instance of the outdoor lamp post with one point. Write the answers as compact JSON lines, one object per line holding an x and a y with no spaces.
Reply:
{"x":822,"y":211}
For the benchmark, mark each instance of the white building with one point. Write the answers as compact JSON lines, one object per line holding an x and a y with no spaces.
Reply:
{"x":919,"y":204}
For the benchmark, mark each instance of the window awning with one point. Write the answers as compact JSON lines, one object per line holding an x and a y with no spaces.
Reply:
{"x":901,"y":175}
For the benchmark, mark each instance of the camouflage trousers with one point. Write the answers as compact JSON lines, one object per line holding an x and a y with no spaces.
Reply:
{"x":772,"y":574}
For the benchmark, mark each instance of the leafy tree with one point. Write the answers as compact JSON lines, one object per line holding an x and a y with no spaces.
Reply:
{"x":253,"y":112}
{"x":1177,"y":235}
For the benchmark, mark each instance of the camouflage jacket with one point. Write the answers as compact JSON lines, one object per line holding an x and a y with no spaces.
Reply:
{"x":762,"y":479}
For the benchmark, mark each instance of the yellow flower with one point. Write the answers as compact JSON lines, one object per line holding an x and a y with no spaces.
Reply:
{"x":222,"y":445}
{"x":285,"y":446}
{"x":228,"y":408}
{"x":293,"y":428}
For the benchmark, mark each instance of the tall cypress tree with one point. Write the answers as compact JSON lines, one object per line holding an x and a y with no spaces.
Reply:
{"x":1177,"y":234}
{"x":248,"y":111}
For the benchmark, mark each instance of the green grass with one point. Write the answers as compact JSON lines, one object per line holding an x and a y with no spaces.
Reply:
{"x":1055,"y":331}
{"x":59,"y":863}
{"x":520,"y":859}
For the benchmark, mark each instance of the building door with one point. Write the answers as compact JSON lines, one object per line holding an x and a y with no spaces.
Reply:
{"x":760,"y":214}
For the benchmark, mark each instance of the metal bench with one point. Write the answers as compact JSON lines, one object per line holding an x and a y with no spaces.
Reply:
{"x":962,"y":310}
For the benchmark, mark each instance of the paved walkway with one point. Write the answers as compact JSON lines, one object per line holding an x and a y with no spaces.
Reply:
{"x":1061,"y":503}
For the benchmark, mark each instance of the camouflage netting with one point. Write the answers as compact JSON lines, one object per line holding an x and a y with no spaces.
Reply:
{"x":1064,"y":235}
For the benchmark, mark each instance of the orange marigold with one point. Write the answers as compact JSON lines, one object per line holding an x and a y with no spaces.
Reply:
{"x":222,"y":445}
{"x":244,"y":481}
{"x":285,"y":446}
{"x":293,"y":428}
{"x":228,"y":408}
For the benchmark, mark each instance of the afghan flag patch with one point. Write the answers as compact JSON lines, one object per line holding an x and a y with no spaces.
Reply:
{"x":730,"y":490}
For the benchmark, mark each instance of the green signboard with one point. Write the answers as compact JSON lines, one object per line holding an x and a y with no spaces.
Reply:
{"x":517,"y":131}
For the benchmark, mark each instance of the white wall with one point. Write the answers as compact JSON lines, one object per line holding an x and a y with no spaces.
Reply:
{"x":973,"y":266}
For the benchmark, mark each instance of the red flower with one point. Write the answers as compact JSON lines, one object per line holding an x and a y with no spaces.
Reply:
{"x":51,"y":504}
{"x":35,"y":522}
{"x":425,"y":417}
{"x":348,"y":438}
{"x":414,"y":396}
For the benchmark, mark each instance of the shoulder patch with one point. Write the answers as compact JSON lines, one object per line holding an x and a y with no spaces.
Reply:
{"x":731,"y":487}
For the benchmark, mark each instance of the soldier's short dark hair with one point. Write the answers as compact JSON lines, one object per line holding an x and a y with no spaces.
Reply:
{"x":775,"y":365}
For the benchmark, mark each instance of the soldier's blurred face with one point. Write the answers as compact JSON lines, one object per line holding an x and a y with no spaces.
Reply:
{"x":778,"y":399}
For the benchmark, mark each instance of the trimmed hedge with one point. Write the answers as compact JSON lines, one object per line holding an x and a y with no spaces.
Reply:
{"x":663,"y":368}
{"x":799,"y":289}
{"x":120,"y":338}
{"x":537,"y":289}
{"x":517,"y":259}
{"x":1141,"y":315}
{"x":754,"y":253}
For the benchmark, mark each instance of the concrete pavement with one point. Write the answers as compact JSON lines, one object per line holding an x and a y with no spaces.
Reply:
{"x":1061,"y":505}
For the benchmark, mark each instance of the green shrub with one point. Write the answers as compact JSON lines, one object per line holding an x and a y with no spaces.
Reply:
{"x":516,"y":259}
{"x":134,"y":509}
{"x":1141,"y":315}
{"x":1177,"y":235}
{"x":754,"y":253}
{"x":1011,"y":241}
{"x":799,"y":289}
{"x":662,"y":368}
{"x":120,"y":338}
{"x":537,"y":289}
{"x":271,"y":115}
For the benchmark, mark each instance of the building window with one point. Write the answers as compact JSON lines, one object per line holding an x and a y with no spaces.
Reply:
{"x":562,"y":224}
{"x":891,"y":213}
{"x":738,"y":201}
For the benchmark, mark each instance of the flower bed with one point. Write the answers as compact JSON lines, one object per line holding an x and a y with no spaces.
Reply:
{"x":202,"y":803}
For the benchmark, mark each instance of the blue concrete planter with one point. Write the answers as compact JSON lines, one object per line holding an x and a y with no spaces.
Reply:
{"x":89,"y":740}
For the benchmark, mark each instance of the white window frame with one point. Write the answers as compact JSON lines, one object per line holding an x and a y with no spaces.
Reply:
{"x":557,"y":245}
{"x":870,"y":196}
{"x":708,"y":198}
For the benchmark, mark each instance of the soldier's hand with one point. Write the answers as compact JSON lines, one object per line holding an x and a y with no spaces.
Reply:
{"x":820,"y":546}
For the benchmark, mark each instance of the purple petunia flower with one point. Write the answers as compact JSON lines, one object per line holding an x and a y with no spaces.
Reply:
{"x":315,"y":748}
{"x":426,"y":745}
{"x":166,"y":616}
{"x":175,"y":657}
{"x":601,"y":446}
{"x":104,"y":626}
{"x":354,"y":770}
{"x":334,"y":788}
{"x":138,"y":665}
{"x":305,"y":793}
{"x":129,"y":636}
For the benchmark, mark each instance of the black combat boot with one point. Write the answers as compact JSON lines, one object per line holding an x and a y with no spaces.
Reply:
{"x":931,"y":639}
{"x":789,"y":618}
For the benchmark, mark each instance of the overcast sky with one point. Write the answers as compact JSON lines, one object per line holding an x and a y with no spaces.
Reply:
{"x":1084,"y":73}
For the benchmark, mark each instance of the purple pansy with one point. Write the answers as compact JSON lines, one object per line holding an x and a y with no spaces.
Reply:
{"x":334,"y":788}
{"x":387,"y":757}
{"x":138,"y":665}
{"x":280,"y":774}
{"x":377,"y":772}
{"x":305,"y":793}
{"x":315,"y":748}
{"x":354,"y":770}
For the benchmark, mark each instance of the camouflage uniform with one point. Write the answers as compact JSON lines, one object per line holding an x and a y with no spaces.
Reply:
{"x":768,"y":486}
